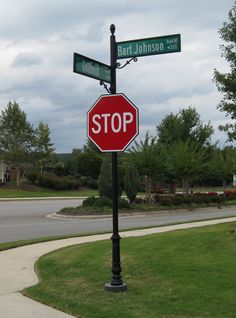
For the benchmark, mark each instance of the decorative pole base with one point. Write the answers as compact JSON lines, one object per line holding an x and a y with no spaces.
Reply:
{"x":115,"y":288}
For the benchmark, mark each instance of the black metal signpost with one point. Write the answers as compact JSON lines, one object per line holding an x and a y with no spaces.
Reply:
{"x":116,"y":282}
{"x":105,"y":73}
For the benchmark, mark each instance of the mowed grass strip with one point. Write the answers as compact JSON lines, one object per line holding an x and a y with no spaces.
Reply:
{"x":190,"y":273}
{"x":41,"y":192}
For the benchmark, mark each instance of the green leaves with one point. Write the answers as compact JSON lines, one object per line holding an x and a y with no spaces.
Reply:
{"x":226,"y":82}
{"x":20,"y":143}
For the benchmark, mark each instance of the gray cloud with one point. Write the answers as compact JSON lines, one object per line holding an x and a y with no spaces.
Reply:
{"x":27,"y":59}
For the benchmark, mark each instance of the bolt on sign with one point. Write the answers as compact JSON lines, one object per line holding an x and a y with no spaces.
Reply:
{"x":112,"y":122}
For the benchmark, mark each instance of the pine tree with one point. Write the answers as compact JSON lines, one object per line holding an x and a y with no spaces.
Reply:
{"x":105,"y":178}
{"x":131,"y":182}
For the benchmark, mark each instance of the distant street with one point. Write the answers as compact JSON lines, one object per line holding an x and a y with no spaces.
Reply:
{"x":20,"y":220}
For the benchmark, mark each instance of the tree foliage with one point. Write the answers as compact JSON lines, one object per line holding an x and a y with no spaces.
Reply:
{"x":184,"y":126}
{"x":186,"y":162}
{"x":147,"y":156}
{"x":105,"y":178}
{"x":44,"y":147}
{"x":17,"y":139}
{"x":20,"y":143}
{"x":185,"y":140}
{"x":88,"y":164}
{"x":131,"y":182}
{"x":226,"y":82}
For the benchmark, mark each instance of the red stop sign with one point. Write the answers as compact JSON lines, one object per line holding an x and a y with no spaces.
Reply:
{"x":112,"y":122}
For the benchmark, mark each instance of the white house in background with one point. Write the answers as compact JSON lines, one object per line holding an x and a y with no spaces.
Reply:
{"x":2,"y":171}
{"x":234,"y":180}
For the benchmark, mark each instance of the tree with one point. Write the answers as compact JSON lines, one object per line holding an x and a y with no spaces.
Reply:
{"x":17,"y":138}
{"x":91,"y":147}
{"x":89,"y":164}
{"x":226,"y":82}
{"x":44,"y":147}
{"x":184,"y":132}
{"x":147,"y":156}
{"x":185,"y":162}
{"x":105,"y":178}
{"x":222,"y":165}
{"x":131,"y":182}
{"x":184,"y":126}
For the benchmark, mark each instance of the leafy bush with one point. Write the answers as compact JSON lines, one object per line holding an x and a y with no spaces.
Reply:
{"x":230,"y":194}
{"x":140,"y":201}
{"x":89,"y":201}
{"x":123,"y":204}
{"x":57,"y":183}
{"x":88,"y":182}
{"x":196,"y":198}
{"x":97,"y":202}
{"x":32,"y":176}
{"x":59,"y":168}
{"x":92,"y":183}
{"x":102,"y":202}
{"x":105,"y":178}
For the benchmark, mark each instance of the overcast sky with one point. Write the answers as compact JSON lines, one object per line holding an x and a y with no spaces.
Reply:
{"x":38,"y":38}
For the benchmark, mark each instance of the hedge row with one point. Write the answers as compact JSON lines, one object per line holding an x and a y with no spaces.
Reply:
{"x":53,"y":182}
{"x":197,"y":198}
{"x":231,"y":194}
{"x":57,"y":183}
{"x":100,"y":202}
{"x":61,"y":183}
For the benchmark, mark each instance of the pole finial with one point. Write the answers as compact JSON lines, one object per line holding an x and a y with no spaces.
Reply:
{"x":112,"y":28}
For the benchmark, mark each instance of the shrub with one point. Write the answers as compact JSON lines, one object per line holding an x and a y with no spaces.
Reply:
{"x":32,"y":176}
{"x":59,"y":168}
{"x":92,"y":183}
{"x":166,"y":200}
{"x":57,"y":183}
{"x":123,"y":204}
{"x":131,"y":182}
{"x":140,"y":201}
{"x":104,"y":202}
{"x":231,"y":194}
{"x":105,"y":178}
{"x":97,"y":202}
{"x":156,"y":198}
{"x":178,"y":200}
{"x":89,"y":201}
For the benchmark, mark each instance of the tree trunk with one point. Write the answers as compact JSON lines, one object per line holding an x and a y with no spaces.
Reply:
{"x":18,"y":177}
{"x":173,"y":187}
{"x":185,"y":186}
{"x":148,"y":186}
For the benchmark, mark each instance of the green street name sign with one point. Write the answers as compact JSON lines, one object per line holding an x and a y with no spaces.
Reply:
{"x":149,"y":46}
{"x":91,"y":68}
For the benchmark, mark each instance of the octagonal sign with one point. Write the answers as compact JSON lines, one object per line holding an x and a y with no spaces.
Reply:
{"x":112,"y":122}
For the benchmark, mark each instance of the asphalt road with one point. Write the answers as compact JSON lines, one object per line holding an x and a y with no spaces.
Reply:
{"x":20,"y":220}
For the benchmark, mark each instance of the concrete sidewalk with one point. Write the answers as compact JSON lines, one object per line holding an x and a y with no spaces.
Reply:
{"x":17,"y":270}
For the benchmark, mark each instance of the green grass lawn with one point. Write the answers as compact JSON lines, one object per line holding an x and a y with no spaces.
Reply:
{"x":41,"y":192}
{"x":182,"y":274}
